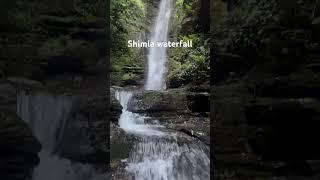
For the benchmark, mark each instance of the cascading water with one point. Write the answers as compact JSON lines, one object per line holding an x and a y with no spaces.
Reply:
{"x":157,"y":56}
{"x":133,"y":122}
{"x":157,"y":155}
{"x":46,"y":115}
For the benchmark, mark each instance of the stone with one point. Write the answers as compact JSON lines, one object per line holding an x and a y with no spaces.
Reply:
{"x":115,"y":107}
{"x":155,"y":101}
{"x":86,"y":136}
{"x":199,"y":102}
{"x":24,"y":81}
{"x":18,"y":147}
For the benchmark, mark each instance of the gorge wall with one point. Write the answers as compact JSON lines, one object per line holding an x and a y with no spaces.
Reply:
{"x":58,"y":47}
{"x":265,"y":108}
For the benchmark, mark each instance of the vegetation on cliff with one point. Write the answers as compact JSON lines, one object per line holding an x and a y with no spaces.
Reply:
{"x":127,"y":22}
{"x":133,"y":20}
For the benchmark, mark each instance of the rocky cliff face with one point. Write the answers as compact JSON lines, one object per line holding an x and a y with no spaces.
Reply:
{"x":59,"y":47}
{"x":265,"y":106}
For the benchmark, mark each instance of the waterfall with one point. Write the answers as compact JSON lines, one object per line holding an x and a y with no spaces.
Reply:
{"x":46,"y":115}
{"x":157,"y":56}
{"x":158,"y":155}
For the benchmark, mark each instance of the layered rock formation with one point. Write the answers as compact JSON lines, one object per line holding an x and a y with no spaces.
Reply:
{"x":59,"y":47}
{"x":265,"y":103}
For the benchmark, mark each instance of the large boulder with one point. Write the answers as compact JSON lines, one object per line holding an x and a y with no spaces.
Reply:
{"x":18,"y":147}
{"x":158,"y":101}
{"x":86,"y":136}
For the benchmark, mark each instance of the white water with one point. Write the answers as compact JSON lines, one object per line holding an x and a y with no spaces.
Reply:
{"x":46,"y":115}
{"x":133,"y":122}
{"x":162,"y":158}
{"x":157,"y":56}
{"x":157,"y":155}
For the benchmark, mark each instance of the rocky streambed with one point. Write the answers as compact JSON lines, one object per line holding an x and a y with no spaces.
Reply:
{"x":170,"y":125}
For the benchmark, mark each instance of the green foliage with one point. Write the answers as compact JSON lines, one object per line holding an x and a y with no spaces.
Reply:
{"x":127,"y":19}
{"x":6,"y":6}
{"x":91,"y":8}
{"x":25,"y":15}
{"x":190,"y":65}
{"x":220,"y":11}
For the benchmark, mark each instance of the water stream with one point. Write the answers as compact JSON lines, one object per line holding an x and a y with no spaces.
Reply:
{"x":46,"y":114}
{"x":159,"y":154}
{"x":157,"y":56}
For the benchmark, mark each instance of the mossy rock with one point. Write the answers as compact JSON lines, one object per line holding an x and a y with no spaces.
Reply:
{"x":130,"y":79}
{"x":156,"y":101}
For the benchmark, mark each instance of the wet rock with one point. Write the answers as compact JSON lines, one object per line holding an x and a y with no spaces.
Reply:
{"x":115,"y":107}
{"x":7,"y":96}
{"x":157,"y":101}
{"x":199,"y":102}
{"x":86,"y":136}
{"x":119,"y":172}
{"x":24,"y":81}
{"x":176,"y":109}
{"x":18,"y":147}
{"x":120,"y":143}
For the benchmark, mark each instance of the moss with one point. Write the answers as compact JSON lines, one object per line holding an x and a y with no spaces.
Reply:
{"x":187,"y":65}
{"x":128,"y":21}
{"x":129,"y":76}
{"x":60,"y":44}
{"x":220,"y":9}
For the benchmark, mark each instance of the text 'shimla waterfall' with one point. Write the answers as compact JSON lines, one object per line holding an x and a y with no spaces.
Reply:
{"x":157,"y":155}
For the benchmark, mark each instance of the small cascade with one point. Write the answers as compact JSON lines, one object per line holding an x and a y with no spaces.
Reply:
{"x":46,"y":115}
{"x":162,"y":158}
{"x":157,"y":155}
{"x":133,"y":122}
